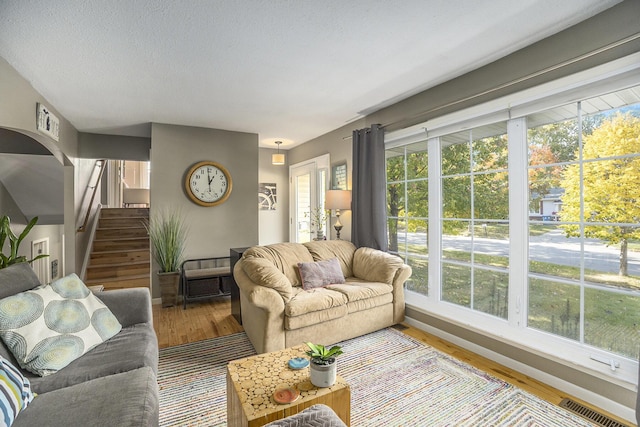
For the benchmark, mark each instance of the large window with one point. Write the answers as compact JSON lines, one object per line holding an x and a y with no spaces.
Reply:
{"x":535,"y":224}
{"x":408,"y":210}
{"x":475,"y":209}
{"x":584,"y":234}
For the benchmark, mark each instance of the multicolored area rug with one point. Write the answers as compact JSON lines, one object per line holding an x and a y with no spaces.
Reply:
{"x":395,"y":381}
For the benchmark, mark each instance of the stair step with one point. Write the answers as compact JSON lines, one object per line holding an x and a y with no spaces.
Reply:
{"x":124,"y":212}
{"x":119,"y":256}
{"x":115,"y":233}
{"x":124,"y":222}
{"x":135,"y":281}
{"x":121,"y":244}
{"x":118,"y":270}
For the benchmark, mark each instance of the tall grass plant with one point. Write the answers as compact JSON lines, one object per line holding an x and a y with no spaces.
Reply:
{"x":168,"y":234}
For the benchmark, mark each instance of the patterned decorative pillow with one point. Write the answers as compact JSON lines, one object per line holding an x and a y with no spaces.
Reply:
{"x":320,"y":273}
{"x":15,"y":392}
{"x":49,"y":327}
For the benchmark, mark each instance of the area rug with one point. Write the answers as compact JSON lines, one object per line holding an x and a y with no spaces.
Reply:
{"x":395,"y":381}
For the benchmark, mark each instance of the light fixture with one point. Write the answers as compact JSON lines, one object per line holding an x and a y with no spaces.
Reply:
{"x":278,"y":158}
{"x":337,"y":199}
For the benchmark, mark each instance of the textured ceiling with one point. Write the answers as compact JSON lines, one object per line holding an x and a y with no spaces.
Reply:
{"x":288,"y":70}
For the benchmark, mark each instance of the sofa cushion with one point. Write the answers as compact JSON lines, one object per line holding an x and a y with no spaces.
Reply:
{"x":285,"y":256}
{"x":48,"y":327}
{"x":134,"y":347}
{"x":15,"y":392}
{"x":317,"y":299}
{"x":127,"y":399}
{"x":17,"y":278}
{"x":264,"y":273}
{"x":320,"y":273}
{"x":318,"y":305}
{"x":356,"y":289}
{"x":341,"y":249}
{"x":375,"y":266}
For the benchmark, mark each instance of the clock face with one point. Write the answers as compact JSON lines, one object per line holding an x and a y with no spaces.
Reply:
{"x":208,"y":183}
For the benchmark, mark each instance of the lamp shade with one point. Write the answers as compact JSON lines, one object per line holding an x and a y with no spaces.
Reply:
{"x":277,"y":159}
{"x":337,"y":199}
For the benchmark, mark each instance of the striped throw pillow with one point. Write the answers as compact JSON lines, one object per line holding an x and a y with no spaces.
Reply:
{"x":15,"y":392}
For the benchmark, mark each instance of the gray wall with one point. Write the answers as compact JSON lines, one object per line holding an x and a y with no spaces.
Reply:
{"x":18,"y":102}
{"x":213,"y":230}
{"x":274,"y":224}
{"x":99,"y":146}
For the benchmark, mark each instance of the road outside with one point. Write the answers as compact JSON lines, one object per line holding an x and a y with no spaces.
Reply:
{"x":552,"y":247}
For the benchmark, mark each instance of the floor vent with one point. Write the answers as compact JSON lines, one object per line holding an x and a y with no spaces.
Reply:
{"x":590,"y":414}
{"x":400,"y":327}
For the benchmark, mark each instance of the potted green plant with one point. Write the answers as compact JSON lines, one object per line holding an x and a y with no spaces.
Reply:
{"x":14,"y":242}
{"x":168,"y":235}
{"x":323,"y":366}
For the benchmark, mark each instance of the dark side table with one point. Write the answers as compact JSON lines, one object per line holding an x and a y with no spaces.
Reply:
{"x":236,"y":311}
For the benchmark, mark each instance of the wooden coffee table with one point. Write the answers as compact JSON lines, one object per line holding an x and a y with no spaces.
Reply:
{"x":252,"y":381}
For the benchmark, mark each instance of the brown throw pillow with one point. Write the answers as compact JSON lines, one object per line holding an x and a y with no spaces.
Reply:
{"x":321,"y":273}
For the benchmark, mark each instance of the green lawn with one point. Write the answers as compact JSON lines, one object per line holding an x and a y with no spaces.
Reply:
{"x":612,"y":319}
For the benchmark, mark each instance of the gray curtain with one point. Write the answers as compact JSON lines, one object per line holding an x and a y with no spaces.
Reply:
{"x":368,"y":199}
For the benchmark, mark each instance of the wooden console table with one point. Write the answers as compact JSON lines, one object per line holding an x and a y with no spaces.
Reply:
{"x":252,"y":381}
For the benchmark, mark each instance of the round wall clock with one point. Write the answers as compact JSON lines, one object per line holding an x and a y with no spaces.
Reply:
{"x":208,"y":183}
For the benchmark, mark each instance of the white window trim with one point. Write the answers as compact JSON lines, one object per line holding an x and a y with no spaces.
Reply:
{"x":603,"y":79}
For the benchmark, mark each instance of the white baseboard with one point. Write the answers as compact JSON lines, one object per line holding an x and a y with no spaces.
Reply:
{"x":155,"y":301}
{"x":592,"y":398}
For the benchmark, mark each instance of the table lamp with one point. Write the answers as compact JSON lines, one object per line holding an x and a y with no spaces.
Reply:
{"x":337,"y":199}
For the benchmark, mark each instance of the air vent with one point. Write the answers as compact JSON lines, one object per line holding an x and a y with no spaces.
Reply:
{"x":590,"y":414}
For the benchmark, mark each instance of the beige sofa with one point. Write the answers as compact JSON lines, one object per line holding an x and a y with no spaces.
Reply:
{"x":278,"y":313}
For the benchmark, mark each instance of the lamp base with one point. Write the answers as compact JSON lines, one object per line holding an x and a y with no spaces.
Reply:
{"x":338,"y":228}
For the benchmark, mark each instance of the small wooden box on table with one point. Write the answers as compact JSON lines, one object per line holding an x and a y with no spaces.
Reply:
{"x":252,"y":381}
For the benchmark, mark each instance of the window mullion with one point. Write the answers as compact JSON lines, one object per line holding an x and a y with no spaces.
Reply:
{"x":435,"y":218}
{"x":518,"y":222}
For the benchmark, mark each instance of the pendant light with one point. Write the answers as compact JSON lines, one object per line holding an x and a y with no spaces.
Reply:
{"x":278,"y":158}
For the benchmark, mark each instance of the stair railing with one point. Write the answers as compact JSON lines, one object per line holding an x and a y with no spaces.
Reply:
{"x":102,"y":162}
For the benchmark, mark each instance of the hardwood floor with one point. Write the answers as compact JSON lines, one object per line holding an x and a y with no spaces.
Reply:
{"x":211,"y":319}
{"x":200,"y":321}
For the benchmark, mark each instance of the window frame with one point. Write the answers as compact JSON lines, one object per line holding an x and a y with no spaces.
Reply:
{"x":513,"y":109}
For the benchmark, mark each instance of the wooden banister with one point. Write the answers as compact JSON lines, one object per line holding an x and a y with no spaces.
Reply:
{"x":83,"y":227}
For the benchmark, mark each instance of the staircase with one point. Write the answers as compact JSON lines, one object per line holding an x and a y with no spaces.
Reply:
{"x":120,"y":256}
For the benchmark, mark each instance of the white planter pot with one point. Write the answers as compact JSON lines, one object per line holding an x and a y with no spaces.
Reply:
{"x":323,"y":375}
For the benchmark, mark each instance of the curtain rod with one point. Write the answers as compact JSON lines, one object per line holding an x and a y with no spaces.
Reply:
{"x":521,"y":79}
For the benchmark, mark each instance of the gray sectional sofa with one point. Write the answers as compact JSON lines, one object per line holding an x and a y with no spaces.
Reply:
{"x":114,"y":384}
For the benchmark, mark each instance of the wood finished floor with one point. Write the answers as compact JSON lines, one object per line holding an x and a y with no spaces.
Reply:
{"x":211,"y":319}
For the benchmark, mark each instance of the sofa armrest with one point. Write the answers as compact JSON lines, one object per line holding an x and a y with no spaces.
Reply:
{"x":130,"y":306}
{"x":262,"y":313}
{"x":374,"y":265}
{"x":263,"y":273}
{"x":402,"y":274}
{"x":263,"y":297}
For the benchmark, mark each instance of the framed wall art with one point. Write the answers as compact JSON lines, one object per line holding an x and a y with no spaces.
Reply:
{"x":339,"y":176}
{"x":267,"y":199}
